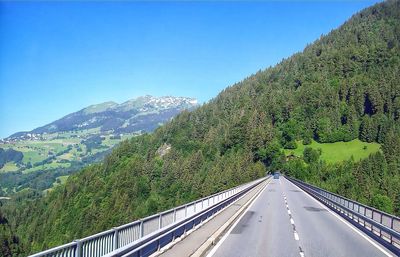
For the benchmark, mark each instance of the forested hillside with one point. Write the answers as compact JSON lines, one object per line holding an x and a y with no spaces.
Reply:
{"x":9,"y":243}
{"x":342,"y":87}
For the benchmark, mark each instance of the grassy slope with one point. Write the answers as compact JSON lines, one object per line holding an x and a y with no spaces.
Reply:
{"x":338,"y":151}
{"x":62,"y":179}
{"x":9,"y":166}
{"x":37,"y":151}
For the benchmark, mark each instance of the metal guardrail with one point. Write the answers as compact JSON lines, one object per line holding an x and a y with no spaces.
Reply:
{"x":382,"y":226}
{"x":140,"y":231}
{"x":154,"y":242}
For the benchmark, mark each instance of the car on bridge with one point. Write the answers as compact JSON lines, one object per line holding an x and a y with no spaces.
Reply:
{"x":276,"y":174}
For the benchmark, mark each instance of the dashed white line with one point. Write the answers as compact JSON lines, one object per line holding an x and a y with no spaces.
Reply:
{"x":296,"y":236}
{"x":345,"y":222}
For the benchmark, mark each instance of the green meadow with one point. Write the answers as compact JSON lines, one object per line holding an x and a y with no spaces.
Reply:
{"x":338,"y":151}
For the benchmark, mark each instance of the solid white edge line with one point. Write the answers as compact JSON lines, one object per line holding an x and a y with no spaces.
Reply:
{"x":215,"y":248}
{"x":347,"y":223}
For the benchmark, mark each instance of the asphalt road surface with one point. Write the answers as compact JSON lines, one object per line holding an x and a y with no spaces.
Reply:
{"x":284,"y":221}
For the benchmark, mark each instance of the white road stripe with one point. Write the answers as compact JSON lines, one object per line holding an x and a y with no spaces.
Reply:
{"x":288,"y":211}
{"x":291,"y":221}
{"x":347,"y":223}
{"x":296,"y":236}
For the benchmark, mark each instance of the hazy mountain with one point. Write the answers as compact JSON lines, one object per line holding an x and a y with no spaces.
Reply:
{"x":140,"y":114}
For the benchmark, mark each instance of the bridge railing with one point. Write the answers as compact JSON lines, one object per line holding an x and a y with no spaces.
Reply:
{"x":384,"y":226}
{"x":108,"y":241}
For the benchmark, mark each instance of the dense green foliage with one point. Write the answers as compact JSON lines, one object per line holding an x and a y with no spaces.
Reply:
{"x":342,"y":87}
{"x":9,"y":242}
{"x":10,"y":155}
{"x":310,"y":155}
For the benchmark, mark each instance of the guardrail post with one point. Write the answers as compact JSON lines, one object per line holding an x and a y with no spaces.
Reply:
{"x":115,"y":243}
{"x":78,"y":250}
{"x":141,"y":229}
{"x":174,"y":216}
{"x":159,"y":221}
{"x":185,"y":210}
{"x":391,"y":226}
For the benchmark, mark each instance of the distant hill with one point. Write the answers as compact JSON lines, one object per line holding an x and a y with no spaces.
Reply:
{"x":141,"y":114}
{"x":39,"y":158}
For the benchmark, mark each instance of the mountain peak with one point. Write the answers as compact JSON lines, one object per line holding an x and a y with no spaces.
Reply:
{"x":163,"y":102}
{"x":143,"y":113}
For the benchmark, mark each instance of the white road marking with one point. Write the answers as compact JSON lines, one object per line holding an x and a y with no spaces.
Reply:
{"x":291,"y":221}
{"x":214,"y":249}
{"x":296,"y":236}
{"x":301,"y":254}
{"x":288,"y":211}
{"x":347,"y":223}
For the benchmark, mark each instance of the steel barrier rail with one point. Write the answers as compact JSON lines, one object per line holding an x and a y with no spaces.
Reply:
{"x":107,"y":241}
{"x":382,"y":226}
{"x":155,"y":241}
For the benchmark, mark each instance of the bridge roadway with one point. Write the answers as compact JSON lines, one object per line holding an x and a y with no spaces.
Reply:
{"x":284,"y":221}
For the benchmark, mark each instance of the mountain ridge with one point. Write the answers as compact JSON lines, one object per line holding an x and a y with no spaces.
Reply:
{"x":112,"y":112}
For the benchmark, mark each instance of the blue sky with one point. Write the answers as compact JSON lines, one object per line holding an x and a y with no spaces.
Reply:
{"x":57,"y":58}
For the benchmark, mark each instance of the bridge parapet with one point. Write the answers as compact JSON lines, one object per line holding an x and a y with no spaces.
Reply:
{"x":143,"y":230}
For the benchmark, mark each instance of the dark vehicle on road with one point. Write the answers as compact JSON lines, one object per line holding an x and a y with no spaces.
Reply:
{"x":276,"y":174}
